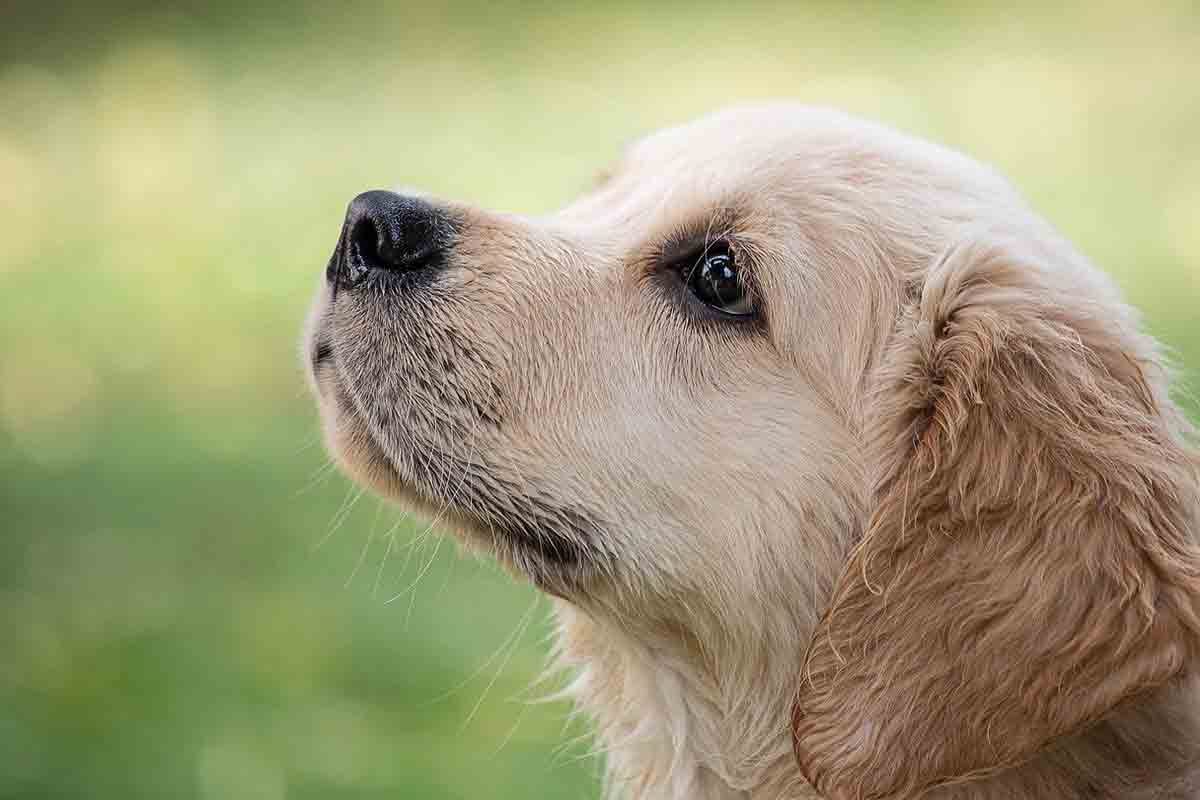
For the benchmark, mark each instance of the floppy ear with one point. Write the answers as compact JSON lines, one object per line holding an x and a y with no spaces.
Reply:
{"x":1030,"y":560}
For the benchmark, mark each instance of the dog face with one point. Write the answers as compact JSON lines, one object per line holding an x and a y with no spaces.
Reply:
{"x":590,"y":395}
{"x":756,"y":379}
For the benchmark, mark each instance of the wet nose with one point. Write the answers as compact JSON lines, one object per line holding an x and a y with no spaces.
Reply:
{"x":389,"y":232}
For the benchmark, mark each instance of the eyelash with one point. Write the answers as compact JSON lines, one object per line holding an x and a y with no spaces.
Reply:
{"x":674,"y":261}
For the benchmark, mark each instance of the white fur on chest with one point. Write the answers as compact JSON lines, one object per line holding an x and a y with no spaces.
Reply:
{"x":668,"y":729}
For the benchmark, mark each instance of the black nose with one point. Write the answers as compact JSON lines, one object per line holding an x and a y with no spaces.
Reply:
{"x":389,"y":232}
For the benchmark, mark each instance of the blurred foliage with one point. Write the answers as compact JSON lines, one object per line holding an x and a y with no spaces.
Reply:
{"x":191,"y":604}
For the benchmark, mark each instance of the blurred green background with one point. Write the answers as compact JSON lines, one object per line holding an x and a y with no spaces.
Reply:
{"x":191,"y":603}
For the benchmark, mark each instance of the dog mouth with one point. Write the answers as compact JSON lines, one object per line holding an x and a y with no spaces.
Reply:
{"x":557,"y":546}
{"x":322,"y":353}
{"x":554,"y":545}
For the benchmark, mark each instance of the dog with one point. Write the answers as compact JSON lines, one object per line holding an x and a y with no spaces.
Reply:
{"x":847,"y":475}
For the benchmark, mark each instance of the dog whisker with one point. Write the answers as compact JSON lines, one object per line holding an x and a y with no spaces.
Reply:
{"x":451,"y":497}
{"x":496,"y":652}
{"x":319,"y":476}
{"x":387,"y":552}
{"x":339,"y":517}
{"x":411,"y":591}
{"x":512,"y":648}
{"x":362,"y":556}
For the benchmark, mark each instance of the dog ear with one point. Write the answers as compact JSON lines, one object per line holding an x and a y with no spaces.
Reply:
{"x":1030,"y":559}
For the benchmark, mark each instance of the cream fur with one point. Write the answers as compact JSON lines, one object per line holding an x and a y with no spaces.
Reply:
{"x":739,"y":502}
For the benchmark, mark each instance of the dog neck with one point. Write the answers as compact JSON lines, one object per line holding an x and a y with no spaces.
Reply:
{"x":675,"y":720}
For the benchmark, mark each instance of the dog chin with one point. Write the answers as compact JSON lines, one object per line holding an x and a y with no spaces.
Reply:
{"x":536,"y":548}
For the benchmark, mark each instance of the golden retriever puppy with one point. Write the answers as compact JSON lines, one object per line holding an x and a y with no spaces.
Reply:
{"x":849,"y":477}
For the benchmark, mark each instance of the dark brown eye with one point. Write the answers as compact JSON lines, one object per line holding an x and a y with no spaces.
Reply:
{"x":715,"y":281}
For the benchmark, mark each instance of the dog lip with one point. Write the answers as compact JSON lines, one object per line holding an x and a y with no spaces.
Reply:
{"x":556,"y":546}
{"x":547,"y":542}
{"x":322,"y":352}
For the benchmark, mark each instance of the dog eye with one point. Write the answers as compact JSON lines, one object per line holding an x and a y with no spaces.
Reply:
{"x":714,"y":280}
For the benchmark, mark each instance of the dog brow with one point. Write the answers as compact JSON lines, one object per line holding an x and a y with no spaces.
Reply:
{"x":698,"y":234}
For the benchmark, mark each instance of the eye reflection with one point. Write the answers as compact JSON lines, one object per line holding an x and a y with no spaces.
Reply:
{"x":716,"y":282}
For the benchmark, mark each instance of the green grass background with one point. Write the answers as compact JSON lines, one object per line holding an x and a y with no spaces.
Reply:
{"x":189,"y":604}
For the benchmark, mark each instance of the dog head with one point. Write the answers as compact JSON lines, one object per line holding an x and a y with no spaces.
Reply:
{"x":784,"y":370}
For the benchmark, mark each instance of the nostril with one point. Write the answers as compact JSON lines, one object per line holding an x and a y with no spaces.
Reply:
{"x":365,"y":244}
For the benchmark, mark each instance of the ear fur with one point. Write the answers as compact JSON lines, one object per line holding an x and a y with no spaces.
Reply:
{"x":1031,"y":559}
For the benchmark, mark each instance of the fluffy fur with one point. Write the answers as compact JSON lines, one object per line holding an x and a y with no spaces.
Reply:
{"x":927,"y":527}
